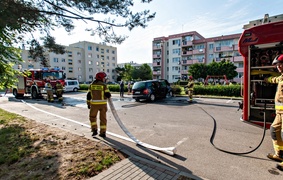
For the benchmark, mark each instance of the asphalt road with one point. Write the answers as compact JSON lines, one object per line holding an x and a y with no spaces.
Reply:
{"x":166,"y":123}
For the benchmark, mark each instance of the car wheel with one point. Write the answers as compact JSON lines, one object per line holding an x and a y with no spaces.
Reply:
{"x":75,"y":89}
{"x":137,"y":100}
{"x":152,"y":97}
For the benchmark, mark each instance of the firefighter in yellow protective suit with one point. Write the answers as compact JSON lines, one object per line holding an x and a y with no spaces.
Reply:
{"x":190,"y":87}
{"x":276,"y":127}
{"x":97,"y":101}
{"x":59,"y":91}
{"x":49,"y":92}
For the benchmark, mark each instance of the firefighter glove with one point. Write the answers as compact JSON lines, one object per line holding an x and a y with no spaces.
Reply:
{"x":107,"y":94}
{"x":88,"y":106}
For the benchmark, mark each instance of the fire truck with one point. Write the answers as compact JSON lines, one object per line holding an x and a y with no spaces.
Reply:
{"x":259,"y":44}
{"x":33,"y":82}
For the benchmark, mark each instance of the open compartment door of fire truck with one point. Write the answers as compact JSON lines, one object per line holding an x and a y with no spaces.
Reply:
{"x":259,"y":45}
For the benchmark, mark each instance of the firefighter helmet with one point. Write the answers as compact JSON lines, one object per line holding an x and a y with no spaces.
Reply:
{"x":191,"y":77}
{"x":100,"y":76}
{"x":278,"y":59}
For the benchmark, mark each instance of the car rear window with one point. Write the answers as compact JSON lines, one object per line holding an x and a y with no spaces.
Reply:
{"x":139,"y":85}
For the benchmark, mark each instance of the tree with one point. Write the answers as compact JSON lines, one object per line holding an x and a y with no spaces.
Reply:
{"x":143,"y":72}
{"x":21,"y":17}
{"x":198,"y":70}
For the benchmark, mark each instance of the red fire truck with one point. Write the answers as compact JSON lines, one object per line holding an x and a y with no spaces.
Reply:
{"x":259,"y":44}
{"x":33,"y":82}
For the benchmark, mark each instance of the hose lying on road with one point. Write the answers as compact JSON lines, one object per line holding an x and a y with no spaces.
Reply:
{"x":168,"y":150}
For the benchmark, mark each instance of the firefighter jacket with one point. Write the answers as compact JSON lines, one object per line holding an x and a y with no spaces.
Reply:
{"x":48,"y":86}
{"x":59,"y":87}
{"x":278,"y":100}
{"x":97,"y":93}
{"x":191,"y":85}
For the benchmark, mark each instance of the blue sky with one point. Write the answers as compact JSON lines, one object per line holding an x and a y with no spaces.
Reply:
{"x":210,"y":18}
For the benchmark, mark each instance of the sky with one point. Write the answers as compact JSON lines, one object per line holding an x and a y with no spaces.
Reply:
{"x":210,"y":18}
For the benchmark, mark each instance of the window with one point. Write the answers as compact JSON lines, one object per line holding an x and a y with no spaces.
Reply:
{"x":63,"y":60}
{"x":102,"y":51}
{"x":79,"y":61}
{"x":241,"y":65}
{"x":70,"y":69}
{"x":89,"y":48}
{"x":211,"y":46}
{"x":89,"y":55}
{"x":97,"y":56}
{"x":70,"y":61}
{"x":176,"y":51}
{"x":55,"y":60}
{"x":69,"y":53}
{"x":107,"y":50}
{"x":102,"y":57}
{"x":79,"y":69}
{"x":113,"y":58}
{"x":113,"y":52}
{"x":108,"y":64}
{"x":107,"y":57}
{"x":90,"y":62}
{"x":113,"y":64}
{"x":176,"y":42}
{"x":97,"y":48}
{"x":79,"y":76}
{"x":176,"y":60}
{"x":79,"y":54}
{"x":90,"y":70}
{"x":63,"y":68}
{"x":97,"y":63}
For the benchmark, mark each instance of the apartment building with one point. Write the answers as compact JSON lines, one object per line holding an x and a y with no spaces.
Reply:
{"x":173,"y":55}
{"x":81,"y":61}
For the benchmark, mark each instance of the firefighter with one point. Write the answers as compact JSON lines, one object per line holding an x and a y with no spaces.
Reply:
{"x":49,"y":92}
{"x":59,"y":91}
{"x":190,"y":87}
{"x":97,"y":101}
{"x":276,"y":127}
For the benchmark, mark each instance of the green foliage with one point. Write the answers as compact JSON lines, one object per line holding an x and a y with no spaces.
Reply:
{"x":224,"y":67}
{"x":143,"y":72}
{"x":19,"y":19}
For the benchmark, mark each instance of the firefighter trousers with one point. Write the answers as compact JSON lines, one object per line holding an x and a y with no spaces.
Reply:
{"x":94,"y":109}
{"x":190,"y":95}
{"x":50,"y":96}
{"x":59,"y":95}
{"x":277,"y":134}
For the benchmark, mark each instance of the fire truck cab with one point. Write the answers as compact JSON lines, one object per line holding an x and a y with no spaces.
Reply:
{"x":33,"y":82}
{"x":259,"y":44}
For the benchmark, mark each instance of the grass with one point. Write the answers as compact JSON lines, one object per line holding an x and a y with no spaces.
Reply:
{"x":30,"y":150}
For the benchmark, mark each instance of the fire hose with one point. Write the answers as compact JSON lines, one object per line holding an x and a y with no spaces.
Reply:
{"x":229,"y":152}
{"x":167,"y":150}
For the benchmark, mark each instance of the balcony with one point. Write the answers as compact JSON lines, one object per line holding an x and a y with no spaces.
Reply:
{"x":198,"y":51}
{"x":223,"y":48}
{"x":156,"y":64}
{"x":155,"y":47}
{"x":156,"y":72}
{"x":187,"y":43}
{"x":184,"y":71}
{"x":156,"y":56}
{"x":188,"y":62}
{"x":238,"y":59}
{"x":186,"y":53}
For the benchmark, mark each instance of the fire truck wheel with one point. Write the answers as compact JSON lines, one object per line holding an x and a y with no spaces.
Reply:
{"x":15,"y":93}
{"x":34,"y":93}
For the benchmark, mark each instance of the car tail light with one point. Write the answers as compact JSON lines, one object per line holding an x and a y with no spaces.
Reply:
{"x":146,"y":91}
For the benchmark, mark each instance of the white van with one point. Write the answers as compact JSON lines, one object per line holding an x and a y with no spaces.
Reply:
{"x":71,"y":85}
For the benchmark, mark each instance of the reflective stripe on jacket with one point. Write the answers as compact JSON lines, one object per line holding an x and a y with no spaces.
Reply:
{"x":96,"y":93}
{"x":278,"y":100}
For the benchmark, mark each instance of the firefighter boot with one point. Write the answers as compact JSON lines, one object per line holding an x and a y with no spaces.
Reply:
{"x":280,"y":166}
{"x":103,"y":135}
{"x":94,"y":132}
{"x":275,"y":158}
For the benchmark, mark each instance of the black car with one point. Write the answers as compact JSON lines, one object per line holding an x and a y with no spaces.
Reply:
{"x":151,"y":89}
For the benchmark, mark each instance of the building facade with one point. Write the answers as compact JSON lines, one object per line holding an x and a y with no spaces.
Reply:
{"x":81,"y":61}
{"x":173,"y":55}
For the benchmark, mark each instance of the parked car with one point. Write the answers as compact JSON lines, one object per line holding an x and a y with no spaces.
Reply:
{"x":71,"y":85}
{"x":151,"y":90}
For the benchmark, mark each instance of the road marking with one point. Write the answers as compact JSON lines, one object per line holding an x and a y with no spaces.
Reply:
{"x":167,"y":150}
